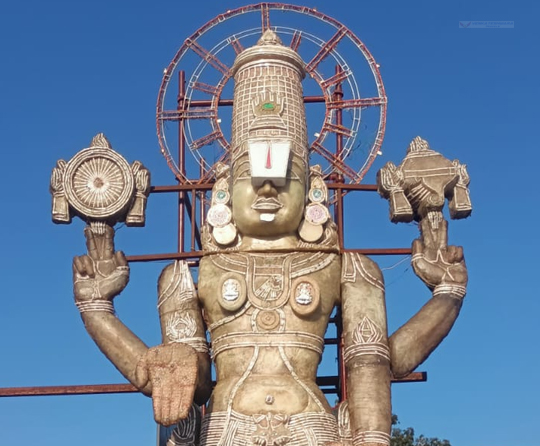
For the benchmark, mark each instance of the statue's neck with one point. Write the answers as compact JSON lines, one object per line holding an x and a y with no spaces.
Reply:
{"x":268,"y":243}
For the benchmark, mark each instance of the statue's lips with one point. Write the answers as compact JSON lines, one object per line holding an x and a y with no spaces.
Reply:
{"x":269,"y":204}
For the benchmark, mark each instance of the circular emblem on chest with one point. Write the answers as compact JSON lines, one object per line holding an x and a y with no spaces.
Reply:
{"x":268,"y":319}
{"x":305,"y":298}
{"x":233,"y":292}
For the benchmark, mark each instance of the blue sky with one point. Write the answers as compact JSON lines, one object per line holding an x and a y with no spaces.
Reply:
{"x":73,"y":69}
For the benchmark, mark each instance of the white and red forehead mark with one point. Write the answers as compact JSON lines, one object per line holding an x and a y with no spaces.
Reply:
{"x":268,"y":161}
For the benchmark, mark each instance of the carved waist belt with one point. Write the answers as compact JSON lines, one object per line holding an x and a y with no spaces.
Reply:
{"x":235,"y":429}
{"x":288,"y":339}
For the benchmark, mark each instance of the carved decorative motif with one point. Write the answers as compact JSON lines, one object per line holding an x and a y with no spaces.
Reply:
{"x":368,"y":339}
{"x":367,"y":332}
{"x":267,"y":109}
{"x":268,"y":319}
{"x":306,"y":429}
{"x":271,"y":430}
{"x":180,"y":327}
{"x":186,"y":432}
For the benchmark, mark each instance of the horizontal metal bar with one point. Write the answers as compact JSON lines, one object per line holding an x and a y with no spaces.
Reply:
{"x":229,"y":102}
{"x":208,"y":186}
{"x":180,"y":188}
{"x":381,"y":251}
{"x":100,"y":389}
{"x":92,"y":389}
{"x":199,"y":254}
{"x":166,"y":256}
{"x":343,"y":186}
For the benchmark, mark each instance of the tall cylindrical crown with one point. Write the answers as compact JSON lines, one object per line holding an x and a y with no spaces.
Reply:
{"x":268,"y":108}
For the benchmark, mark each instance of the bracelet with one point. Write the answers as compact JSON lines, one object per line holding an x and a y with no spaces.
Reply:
{"x":198,"y":344}
{"x":95,"y":305}
{"x":447,"y":288}
{"x":370,"y":437}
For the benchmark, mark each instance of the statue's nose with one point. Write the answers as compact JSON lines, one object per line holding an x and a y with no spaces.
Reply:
{"x":267,"y":189}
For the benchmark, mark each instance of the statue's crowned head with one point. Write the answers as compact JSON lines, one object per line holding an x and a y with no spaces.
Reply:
{"x":269,"y":148}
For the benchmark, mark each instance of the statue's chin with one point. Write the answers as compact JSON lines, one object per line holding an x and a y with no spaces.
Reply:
{"x":267,"y":217}
{"x":267,"y":230}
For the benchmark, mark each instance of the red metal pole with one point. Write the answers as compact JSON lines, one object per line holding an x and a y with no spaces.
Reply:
{"x":338,"y":214}
{"x":181,"y":157}
{"x":338,"y":120}
{"x":193,"y":217}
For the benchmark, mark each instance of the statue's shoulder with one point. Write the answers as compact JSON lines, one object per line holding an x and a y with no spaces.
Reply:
{"x":168,"y":275}
{"x":176,"y":281}
{"x":358,"y":267}
{"x":169,"y":270}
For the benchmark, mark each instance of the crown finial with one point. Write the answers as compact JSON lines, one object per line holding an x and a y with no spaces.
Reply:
{"x":269,"y":37}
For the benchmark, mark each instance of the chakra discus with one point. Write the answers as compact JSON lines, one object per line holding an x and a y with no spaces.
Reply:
{"x":99,"y":183}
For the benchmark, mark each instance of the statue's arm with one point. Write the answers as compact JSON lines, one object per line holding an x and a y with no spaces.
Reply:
{"x":366,"y":352}
{"x":175,"y":373}
{"x":118,"y":343}
{"x":182,"y":322}
{"x":98,"y":278}
{"x":443,"y":270}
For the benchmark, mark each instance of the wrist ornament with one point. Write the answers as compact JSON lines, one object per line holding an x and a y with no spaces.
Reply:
{"x":457,"y":291}
{"x":95,"y":305}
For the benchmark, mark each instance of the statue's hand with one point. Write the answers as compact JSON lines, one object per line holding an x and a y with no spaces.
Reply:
{"x":101,"y":274}
{"x":171,"y":369}
{"x":439,"y":265}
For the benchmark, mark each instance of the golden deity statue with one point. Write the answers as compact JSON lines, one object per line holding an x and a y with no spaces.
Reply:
{"x":270,"y":277}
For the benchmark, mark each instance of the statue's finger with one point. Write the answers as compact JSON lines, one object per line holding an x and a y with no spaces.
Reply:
{"x":108,"y":243}
{"x":120,"y":258}
{"x":78,"y":266}
{"x":162,"y":406}
{"x":89,"y":266}
{"x":141,"y":373}
{"x":167,"y":411}
{"x":442,"y":234}
{"x":91,"y":245}
{"x":417,"y":248}
{"x":455,"y":254}
{"x":157,"y":403}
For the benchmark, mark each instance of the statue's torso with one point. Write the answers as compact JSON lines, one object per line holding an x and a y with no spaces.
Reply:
{"x":267,"y":315}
